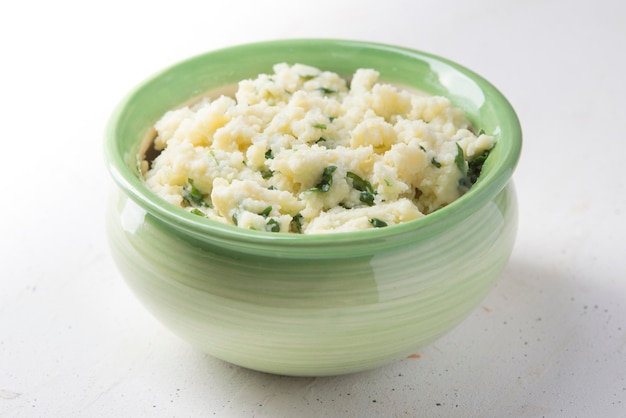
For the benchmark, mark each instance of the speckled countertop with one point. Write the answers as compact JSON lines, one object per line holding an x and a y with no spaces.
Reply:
{"x":549,"y":340}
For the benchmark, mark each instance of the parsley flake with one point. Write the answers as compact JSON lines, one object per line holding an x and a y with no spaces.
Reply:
{"x":266,"y":173}
{"x":459,"y":160}
{"x":266,"y":212}
{"x":192,"y":195}
{"x":476,"y":166}
{"x":363,"y":186}
{"x":273,"y":225}
{"x":326,"y":181}
{"x":197,"y":211}
{"x":296,"y":224}
{"x":377,"y":223}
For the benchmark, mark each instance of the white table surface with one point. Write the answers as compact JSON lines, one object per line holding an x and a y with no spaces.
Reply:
{"x":549,"y":340}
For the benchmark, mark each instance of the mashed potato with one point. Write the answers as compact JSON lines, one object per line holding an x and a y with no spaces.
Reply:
{"x":303,"y":151}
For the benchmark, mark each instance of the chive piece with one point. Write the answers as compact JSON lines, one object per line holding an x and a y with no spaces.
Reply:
{"x":377,"y":223}
{"x":234,"y":219}
{"x":296,"y":224}
{"x":273,"y":225}
{"x":459,"y":160}
{"x":266,"y":212}
{"x":326,"y":181}
{"x":435,"y":163}
{"x":197,"y":211}
{"x":480,"y":132}
{"x":192,"y":195}
{"x":364,"y":186}
{"x":307,"y":77}
{"x":320,"y":126}
{"x":422,"y":148}
{"x":327,"y":90}
{"x":322,"y":139}
{"x":268,"y":154}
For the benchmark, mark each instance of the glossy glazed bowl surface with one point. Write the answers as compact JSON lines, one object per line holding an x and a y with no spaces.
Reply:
{"x":321,"y":304}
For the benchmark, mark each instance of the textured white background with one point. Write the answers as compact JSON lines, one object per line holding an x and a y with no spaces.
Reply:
{"x":550,"y":339}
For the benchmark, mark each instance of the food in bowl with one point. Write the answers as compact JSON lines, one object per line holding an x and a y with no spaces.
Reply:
{"x":306,"y":151}
{"x":312,"y":304}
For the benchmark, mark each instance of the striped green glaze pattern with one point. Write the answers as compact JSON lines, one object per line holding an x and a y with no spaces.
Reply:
{"x":312,"y":305}
{"x":312,"y":317}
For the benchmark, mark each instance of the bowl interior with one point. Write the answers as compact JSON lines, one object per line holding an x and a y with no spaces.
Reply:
{"x":484,"y":105}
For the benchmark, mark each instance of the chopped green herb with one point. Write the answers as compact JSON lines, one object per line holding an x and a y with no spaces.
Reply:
{"x":422,"y":148}
{"x":272,"y":187}
{"x":268,"y":154}
{"x":459,"y":160}
{"x":192,"y":195}
{"x":273,"y":225}
{"x":214,"y":157}
{"x":197,"y":211}
{"x":235,"y":219}
{"x":296,"y":224}
{"x":367,"y":198}
{"x":358,"y":182}
{"x":327,"y":90}
{"x":266,"y":173}
{"x":332,"y":118}
{"x":464,"y":184}
{"x":480,"y":132}
{"x":326,"y":181}
{"x":476,"y":166}
{"x":377,"y":223}
{"x":364,"y":186}
{"x":435,"y":163}
{"x":266,"y":212}
{"x":388,"y":183}
{"x":307,"y":76}
{"x":322,"y":139}
{"x":320,"y":126}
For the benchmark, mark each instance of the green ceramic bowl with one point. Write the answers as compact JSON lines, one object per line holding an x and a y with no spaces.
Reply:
{"x":323,"y":304}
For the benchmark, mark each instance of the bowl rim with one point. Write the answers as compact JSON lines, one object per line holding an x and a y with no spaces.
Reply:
{"x":485,"y":189}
